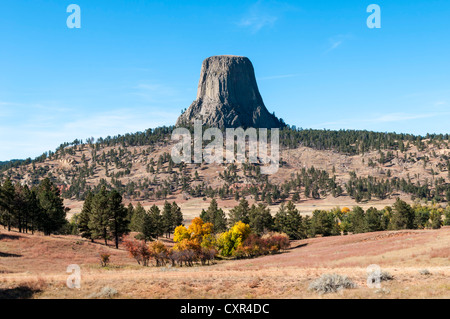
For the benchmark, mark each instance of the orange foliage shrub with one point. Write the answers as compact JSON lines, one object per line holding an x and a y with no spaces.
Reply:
{"x":138,"y":250}
{"x":254,"y":245}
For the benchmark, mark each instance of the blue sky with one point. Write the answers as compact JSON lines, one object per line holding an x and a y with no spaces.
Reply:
{"x":135,"y":65}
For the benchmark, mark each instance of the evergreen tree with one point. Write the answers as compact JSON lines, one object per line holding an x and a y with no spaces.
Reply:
{"x":137,"y":219}
{"x":155,"y":215}
{"x":322,"y":223}
{"x":54,"y":212}
{"x":34,"y":210}
{"x":148,"y":229}
{"x":373,"y":220}
{"x":30,"y":208}
{"x":99,"y":222}
{"x":240,"y":212}
{"x":260,"y":219}
{"x":85,"y":216}
{"x":402,"y":216}
{"x":118,"y":223}
{"x":167,"y":219}
{"x":7,"y":203}
{"x":357,"y":220}
{"x":19,"y":207}
{"x":177,"y":216}
{"x":130,"y":211}
{"x":421,"y":217}
{"x":289,"y":221}
{"x":216,"y":216}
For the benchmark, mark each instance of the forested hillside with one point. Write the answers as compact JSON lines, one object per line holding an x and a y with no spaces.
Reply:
{"x":314,"y":164}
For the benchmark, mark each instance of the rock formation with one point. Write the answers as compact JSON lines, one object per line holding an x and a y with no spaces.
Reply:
{"x":228,"y":96}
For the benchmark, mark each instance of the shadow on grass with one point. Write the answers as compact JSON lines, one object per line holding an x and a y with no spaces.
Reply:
{"x":9,"y":255}
{"x":298,"y":246}
{"x":21,"y":292}
{"x":9,"y":236}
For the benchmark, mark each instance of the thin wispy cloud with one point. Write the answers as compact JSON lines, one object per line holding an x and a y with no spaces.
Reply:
{"x":334,"y":45}
{"x":336,"y":42}
{"x":263,"y":14}
{"x":257,"y":22}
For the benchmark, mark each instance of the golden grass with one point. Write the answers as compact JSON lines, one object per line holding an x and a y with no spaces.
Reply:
{"x":40,"y":264}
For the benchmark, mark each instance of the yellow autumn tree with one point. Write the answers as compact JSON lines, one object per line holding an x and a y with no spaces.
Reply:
{"x":187,"y":244}
{"x":198,"y":229}
{"x":231,"y":240}
{"x":180,"y":234}
{"x":198,"y":233}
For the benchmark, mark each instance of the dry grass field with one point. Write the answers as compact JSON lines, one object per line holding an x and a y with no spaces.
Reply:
{"x":34,"y":266}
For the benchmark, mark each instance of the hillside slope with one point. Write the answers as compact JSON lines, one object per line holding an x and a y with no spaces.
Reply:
{"x":322,"y":176}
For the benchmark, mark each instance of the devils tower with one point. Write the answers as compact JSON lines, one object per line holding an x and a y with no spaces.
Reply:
{"x":228,"y":96}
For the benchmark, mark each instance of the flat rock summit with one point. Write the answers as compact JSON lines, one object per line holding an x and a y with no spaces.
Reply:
{"x":228,"y":96}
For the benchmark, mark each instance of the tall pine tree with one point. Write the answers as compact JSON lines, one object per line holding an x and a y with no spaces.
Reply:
{"x":118,"y":221}
{"x":54,"y":212}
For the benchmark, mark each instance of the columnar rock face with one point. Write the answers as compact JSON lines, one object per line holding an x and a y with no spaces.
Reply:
{"x":228,"y":96}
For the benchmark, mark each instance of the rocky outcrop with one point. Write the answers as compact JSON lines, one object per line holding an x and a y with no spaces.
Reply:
{"x":228,"y":96}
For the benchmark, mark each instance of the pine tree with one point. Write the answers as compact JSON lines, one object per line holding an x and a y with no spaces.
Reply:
{"x":118,"y":222}
{"x":167,"y":219}
{"x":148,"y":229}
{"x":402,"y":216}
{"x":357,"y":220}
{"x":373,"y":219}
{"x":260,"y":219}
{"x":100,"y":218}
{"x":137,"y":219}
{"x":130,"y":211}
{"x":155,"y":214}
{"x":216,"y":216}
{"x":322,"y":223}
{"x":7,"y":203}
{"x":54,"y":213}
{"x":177,"y":216}
{"x":289,"y":221}
{"x":34,"y":210}
{"x":84,"y":217}
{"x":240,"y":212}
{"x":29,"y":209}
{"x":19,"y":208}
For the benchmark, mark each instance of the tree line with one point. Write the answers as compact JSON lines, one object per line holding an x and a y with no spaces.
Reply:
{"x":105,"y":217}
{"x":251,"y":230}
{"x":39,"y":208}
{"x":337,"y":221}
